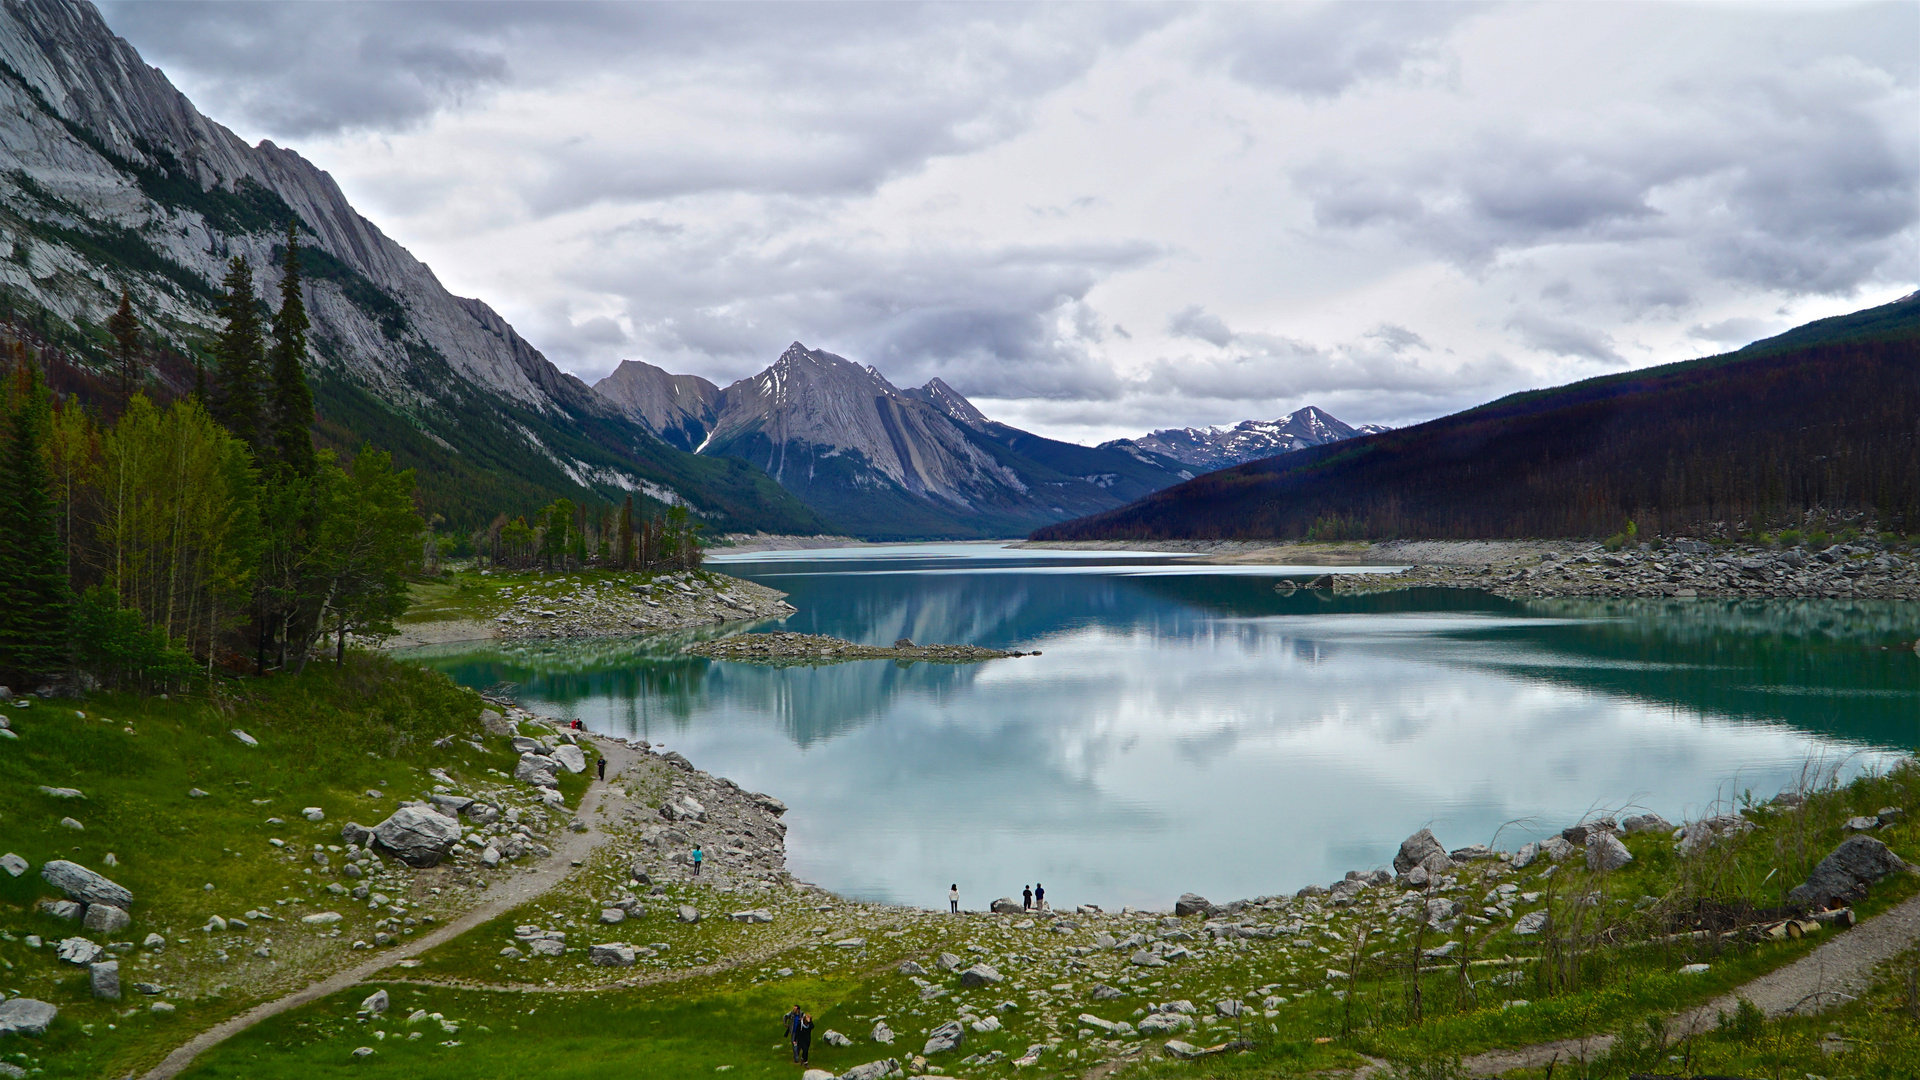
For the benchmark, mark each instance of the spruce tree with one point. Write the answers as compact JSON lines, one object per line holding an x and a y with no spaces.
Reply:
{"x":34,"y":594}
{"x":241,"y":355}
{"x":292,"y":404}
{"x":126,"y":346}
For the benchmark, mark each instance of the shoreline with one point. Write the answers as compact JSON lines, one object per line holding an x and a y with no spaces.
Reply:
{"x":1864,"y":569}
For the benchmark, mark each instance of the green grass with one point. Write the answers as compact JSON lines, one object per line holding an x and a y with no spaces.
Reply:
{"x":326,"y":738}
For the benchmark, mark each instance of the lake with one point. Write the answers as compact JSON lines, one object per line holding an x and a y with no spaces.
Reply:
{"x":1189,"y":728}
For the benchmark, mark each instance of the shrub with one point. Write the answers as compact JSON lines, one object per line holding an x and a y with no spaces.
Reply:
{"x":115,"y":645}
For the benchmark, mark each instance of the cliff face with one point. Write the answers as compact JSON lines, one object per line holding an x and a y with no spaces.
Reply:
{"x":111,"y":179}
{"x":678,"y":408}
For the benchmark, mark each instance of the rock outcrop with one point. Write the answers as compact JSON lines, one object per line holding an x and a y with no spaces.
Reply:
{"x":1846,"y":873}
{"x":416,"y":836}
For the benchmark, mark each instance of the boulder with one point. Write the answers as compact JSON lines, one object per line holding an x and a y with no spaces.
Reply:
{"x":1415,"y":849}
{"x":872,"y":1070}
{"x":1640,"y":823}
{"x":523,"y":745}
{"x":571,"y":758}
{"x":882,"y":1033}
{"x":689,"y":914}
{"x":979,"y":975}
{"x":376,"y":1003}
{"x":684,"y":808}
{"x":26,"y":1016}
{"x":756,"y":915}
{"x":1103,"y":992}
{"x":1606,"y":852}
{"x":1190,"y":904}
{"x":355,"y":833}
{"x":950,"y":962}
{"x":103,"y":977}
{"x":909,"y":967}
{"x":768,"y":803}
{"x":1006,"y":905}
{"x":1440,"y":909}
{"x":106,"y":919}
{"x":1556,"y":848}
{"x":547,"y":946}
{"x":451,"y":805}
{"x":496,"y":723}
{"x":1847,"y":871}
{"x":417,"y":836}
{"x":945,"y":1038}
{"x":245,"y":738}
{"x":1437,"y":864}
{"x":612,"y":916}
{"x":1530,"y":923}
{"x":481,"y":813}
{"x":70,"y":910}
{"x":536,"y":769}
{"x":78,"y":951}
{"x":1163,"y":1024}
{"x":1525,"y":856}
{"x":612,"y":954}
{"x":13,"y":864}
{"x":80,"y":883}
{"x":314,"y":813}
{"x":834,"y":1038}
{"x":1228,"y":1007}
{"x":318,"y":918}
{"x":1471,"y":853}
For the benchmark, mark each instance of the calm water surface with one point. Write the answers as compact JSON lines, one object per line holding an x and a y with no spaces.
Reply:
{"x":1190,"y":728}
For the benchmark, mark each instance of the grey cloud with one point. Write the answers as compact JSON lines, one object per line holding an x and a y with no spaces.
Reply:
{"x":1397,"y":338}
{"x":1322,"y":50}
{"x":1198,"y":323}
{"x":1271,"y":367}
{"x":1790,"y":180}
{"x":1564,"y":338}
{"x":1739,"y":330}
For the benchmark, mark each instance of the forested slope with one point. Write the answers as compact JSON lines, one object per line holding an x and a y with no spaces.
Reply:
{"x":1826,"y":417}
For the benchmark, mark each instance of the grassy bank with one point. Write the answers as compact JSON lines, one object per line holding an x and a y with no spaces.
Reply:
{"x":196,"y":823}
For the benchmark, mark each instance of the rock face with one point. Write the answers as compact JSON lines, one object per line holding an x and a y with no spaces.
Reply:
{"x":89,"y":124}
{"x":26,"y":1016}
{"x":1416,"y":849}
{"x":84,"y":885}
{"x":871,"y":456}
{"x":1847,"y":871}
{"x":417,"y":836}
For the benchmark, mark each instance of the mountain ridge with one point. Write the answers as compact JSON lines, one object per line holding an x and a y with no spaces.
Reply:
{"x":1210,"y":448}
{"x":110,"y":178}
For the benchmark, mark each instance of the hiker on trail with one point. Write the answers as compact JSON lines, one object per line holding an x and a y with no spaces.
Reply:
{"x":697,"y":856}
{"x":791,"y":1022}
{"x":953,"y":898}
{"x":603,"y":768}
{"x":803,"y":1036}
{"x":1026,"y":898}
{"x":1039,"y":896}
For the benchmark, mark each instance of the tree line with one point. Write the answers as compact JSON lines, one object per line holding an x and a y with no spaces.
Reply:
{"x":566,"y":536}
{"x":145,"y":540}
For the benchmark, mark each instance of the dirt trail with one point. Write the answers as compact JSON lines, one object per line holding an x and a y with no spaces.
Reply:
{"x":503,"y":897}
{"x":1833,"y":974}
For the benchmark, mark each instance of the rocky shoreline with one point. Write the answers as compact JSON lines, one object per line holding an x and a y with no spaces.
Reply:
{"x":564,"y":608}
{"x":1863,"y":569}
{"x":787,"y":649}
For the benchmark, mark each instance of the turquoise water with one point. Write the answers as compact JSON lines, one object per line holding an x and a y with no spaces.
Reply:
{"x":1187,"y":727}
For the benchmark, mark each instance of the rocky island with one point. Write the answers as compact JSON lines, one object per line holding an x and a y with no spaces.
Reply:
{"x":785,"y":649}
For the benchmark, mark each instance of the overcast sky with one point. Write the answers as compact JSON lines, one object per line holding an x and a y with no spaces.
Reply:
{"x":1099,"y":219}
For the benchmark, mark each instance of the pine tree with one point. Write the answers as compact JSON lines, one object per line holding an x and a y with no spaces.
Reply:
{"x":626,"y":535}
{"x":291,"y":434}
{"x":126,"y":346}
{"x":34,"y":596}
{"x":241,"y":355}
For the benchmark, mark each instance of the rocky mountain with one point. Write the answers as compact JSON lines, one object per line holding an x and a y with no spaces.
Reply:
{"x":1815,"y":424}
{"x":1206,"y":449}
{"x":882,"y":462}
{"x":111,"y":179}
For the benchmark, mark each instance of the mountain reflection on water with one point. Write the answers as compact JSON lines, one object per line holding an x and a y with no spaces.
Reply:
{"x":1189,"y":728}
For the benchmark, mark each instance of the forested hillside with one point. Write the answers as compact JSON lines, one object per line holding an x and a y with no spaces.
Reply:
{"x":1824,"y":418}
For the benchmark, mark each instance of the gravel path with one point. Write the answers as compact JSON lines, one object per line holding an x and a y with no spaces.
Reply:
{"x":1836,"y":972}
{"x":504,"y":897}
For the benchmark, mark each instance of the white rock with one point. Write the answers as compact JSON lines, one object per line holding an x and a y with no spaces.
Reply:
{"x":322,"y":918}
{"x":571,"y":758}
{"x":376,"y":1003}
{"x":79,"y":951}
{"x":314,"y":813}
{"x":13,"y":864}
{"x":245,"y":738}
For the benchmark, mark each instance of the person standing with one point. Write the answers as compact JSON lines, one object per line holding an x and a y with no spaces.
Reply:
{"x":953,"y":898}
{"x":1039,"y":896}
{"x":1026,"y":898}
{"x":698,"y":855}
{"x":603,"y":768}
{"x":791,"y":1022}
{"x":803,"y":1036}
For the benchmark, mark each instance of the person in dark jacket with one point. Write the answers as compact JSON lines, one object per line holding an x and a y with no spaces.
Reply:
{"x":1040,"y":896}
{"x":1026,"y":898}
{"x":803,"y":1036}
{"x":791,"y":1022}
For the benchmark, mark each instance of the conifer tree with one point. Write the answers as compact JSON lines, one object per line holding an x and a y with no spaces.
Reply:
{"x":241,"y":355}
{"x":626,"y":535}
{"x":126,"y":346}
{"x":34,"y":596}
{"x":291,"y":407}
